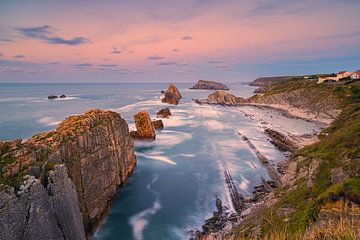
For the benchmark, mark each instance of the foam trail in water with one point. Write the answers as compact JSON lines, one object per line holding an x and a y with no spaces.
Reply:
{"x":157,"y":157}
{"x":140,"y":220}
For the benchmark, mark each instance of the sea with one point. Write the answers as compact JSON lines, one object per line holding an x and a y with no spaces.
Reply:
{"x":179,"y":175}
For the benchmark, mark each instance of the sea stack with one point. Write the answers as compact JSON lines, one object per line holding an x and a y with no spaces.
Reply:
{"x":144,"y":127}
{"x":209,"y":85}
{"x":172,"y":95}
{"x":59,"y":184}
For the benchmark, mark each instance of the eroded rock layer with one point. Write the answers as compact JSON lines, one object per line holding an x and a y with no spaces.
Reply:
{"x":60,"y":183}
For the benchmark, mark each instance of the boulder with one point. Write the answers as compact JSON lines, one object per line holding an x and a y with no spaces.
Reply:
{"x":172,"y":95}
{"x":158,"y":124}
{"x":52,"y":97}
{"x":63,"y":96}
{"x":144,"y":126}
{"x":163,"y":113}
{"x":209,"y":85}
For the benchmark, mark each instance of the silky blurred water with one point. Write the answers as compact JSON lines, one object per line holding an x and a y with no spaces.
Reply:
{"x":174,"y":185}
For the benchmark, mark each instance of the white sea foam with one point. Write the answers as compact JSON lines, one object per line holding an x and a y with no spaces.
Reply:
{"x":244,"y":184}
{"x":48,"y":121}
{"x":214,"y":125}
{"x":147,"y":103}
{"x":187,"y":155}
{"x":156,"y":157}
{"x":171,"y":138}
{"x":140,"y":220}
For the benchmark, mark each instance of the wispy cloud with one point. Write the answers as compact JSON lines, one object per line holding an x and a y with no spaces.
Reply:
{"x":175,"y":50}
{"x":342,"y":35}
{"x":215,"y":62}
{"x":53,"y":63}
{"x":107,"y":65}
{"x":173,"y":63}
{"x":167,"y":63}
{"x":1,"y":54}
{"x":156,"y":57}
{"x":115,"y":50}
{"x":223,"y":67}
{"x":81,"y":65}
{"x":46,"y":34}
{"x":186,"y":38}
{"x":7,"y":40}
{"x":19,"y":56}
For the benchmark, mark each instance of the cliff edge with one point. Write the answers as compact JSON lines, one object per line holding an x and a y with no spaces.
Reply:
{"x":59,"y":184}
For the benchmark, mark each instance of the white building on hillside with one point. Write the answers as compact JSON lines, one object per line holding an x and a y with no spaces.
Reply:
{"x":343,"y":74}
{"x":355,"y":75}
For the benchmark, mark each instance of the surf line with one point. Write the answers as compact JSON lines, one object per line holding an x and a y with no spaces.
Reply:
{"x":270,"y":168}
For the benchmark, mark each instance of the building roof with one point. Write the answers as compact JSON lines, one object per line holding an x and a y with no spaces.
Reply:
{"x":341,"y":72}
{"x":357,"y":72}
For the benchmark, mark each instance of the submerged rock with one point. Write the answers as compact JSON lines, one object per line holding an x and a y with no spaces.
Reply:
{"x":144,"y":127}
{"x":172,"y":95}
{"x":158,"y":124}
{"x":163,"y":113}
{"x":209,"y":85}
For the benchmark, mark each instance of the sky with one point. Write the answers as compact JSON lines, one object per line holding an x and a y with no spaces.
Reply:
{"x":175,"y":41}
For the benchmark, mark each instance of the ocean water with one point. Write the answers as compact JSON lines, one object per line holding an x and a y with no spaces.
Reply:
{"x":178,"y":176}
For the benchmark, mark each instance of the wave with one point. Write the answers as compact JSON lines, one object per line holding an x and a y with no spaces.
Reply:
{"x":156,"y":157}
{"x":48,"y":121}
{"x":140,"y":220}
{"x":171,"y":137}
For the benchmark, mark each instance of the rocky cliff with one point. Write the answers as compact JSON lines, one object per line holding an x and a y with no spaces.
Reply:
{"x":320,"y":193}
{"x":209,"y":85}
{"x":56,"y":175}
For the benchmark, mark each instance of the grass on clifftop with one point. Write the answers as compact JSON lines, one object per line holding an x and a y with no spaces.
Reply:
{"x":339,"y":146}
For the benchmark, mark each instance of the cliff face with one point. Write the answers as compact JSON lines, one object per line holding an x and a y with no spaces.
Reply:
{"x":97,"y":153}
{"x":209,"y":85}
{"x":40,"y":212}
{"x":317,"y":102}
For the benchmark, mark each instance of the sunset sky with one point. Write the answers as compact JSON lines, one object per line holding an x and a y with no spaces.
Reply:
{"x":175,"y":41}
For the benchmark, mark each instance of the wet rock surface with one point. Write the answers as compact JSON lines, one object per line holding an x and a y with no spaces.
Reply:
{"x":144,"y":127}
{"x":158,"y":124}
{"x":209,"y":85}
{"x":163,"y":113}
{"x":282,"y":142}
{"x":172,"y":95}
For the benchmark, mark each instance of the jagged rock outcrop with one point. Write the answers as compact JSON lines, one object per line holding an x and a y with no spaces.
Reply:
{"x":209,"y":85}
{"x":158,"y":124}
{"x":282,"y":142}
{"x":75,"y":171}
{"x":222,"y":98}
{"x":42,"y":212}
{"x":163,"y":113}
{"x":172,"y":95}
{"x":144,"y":127}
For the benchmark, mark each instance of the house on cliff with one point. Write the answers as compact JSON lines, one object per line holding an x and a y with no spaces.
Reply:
{"x":355,"y":75}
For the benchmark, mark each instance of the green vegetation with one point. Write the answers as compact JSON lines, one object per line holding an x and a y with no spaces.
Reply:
{"x":339,"y":147}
